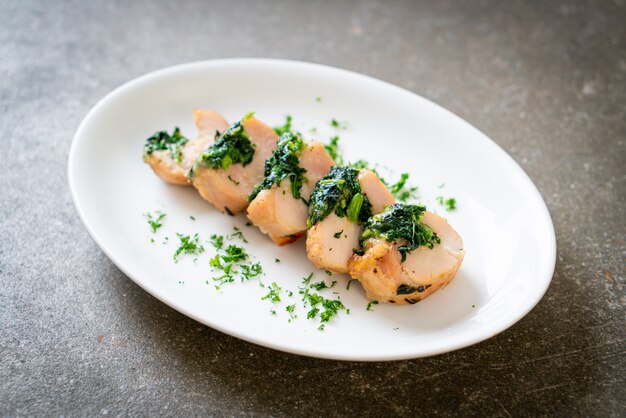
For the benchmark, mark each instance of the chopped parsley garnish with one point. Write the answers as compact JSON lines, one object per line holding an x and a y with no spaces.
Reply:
{"x":276,"y":260}
{"x":233,"y":146}
{"x":307,"y":279}
{"x":401,"y":191}
{"x":162,"y":141}
{"x":283,"y":164}
{"x":230,"y":261}
{"x":249,"y":271}
{"x":317,"y":302}
{"x":322,"y":285}
{"x":349,"y":283}
{"x":331,"y":307}
{"x":333,"y":150}
{"x":291,"y":309}
{"x":338,"y":125}
{"x":370,"y":304}
{"x":217,"y":241}
{"x":338,"y":234}
{"x":318,"y":99}
{"x":285,"y":127}
{"x":274,"y":293}
{"x":193,"y":218}
{"x":154,"y":220}
{"x":401,"y":223}
{"x":449,"y":203}
{"x":237,"y":234}
{"x":340,"y":192}
{"x":188,"y":245}
{"x":234,"y":254}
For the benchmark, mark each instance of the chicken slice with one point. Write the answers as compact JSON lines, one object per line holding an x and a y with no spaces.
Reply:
{"x":386,"y":278}
{"x":174,"y":170}
{"x":277,"y":212}
{"x":376,"y":192}
{"x":228,"y":188}
{"x":330,"y":243}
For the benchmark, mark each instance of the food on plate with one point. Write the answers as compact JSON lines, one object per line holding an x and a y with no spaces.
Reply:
{"x":172,"y":156}
{"x":399,"y":252}
{"x":341,"y":202}
{"x":228,"y":171}
{"x":408,"y":253}
{"x":279,"y":204}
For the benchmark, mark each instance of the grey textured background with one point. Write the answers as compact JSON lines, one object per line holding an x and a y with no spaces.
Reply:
{"x":545,"y":80}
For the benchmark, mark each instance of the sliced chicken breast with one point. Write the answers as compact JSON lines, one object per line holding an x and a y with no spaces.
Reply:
{"x":386,"y":278}
{"x":277,"y":212}
{"x":228,"y":188}
{"x":174,"y":170}
{"x":330,"y":243}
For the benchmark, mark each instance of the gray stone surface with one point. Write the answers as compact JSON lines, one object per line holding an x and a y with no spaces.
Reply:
{"x":546,"y":80}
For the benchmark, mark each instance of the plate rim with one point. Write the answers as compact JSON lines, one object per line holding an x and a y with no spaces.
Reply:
{"x":546,"y":275}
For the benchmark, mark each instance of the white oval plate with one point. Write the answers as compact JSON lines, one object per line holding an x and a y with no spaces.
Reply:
{"x":506,"y":228}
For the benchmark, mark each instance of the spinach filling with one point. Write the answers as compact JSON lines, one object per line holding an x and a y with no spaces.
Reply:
{"x":162,"y":141}
{"x":284,"y":164}
{"x":339,"y":191}
{"x":405,"y":289}
{"x":233,"y":146}
{"x":401,"y":223}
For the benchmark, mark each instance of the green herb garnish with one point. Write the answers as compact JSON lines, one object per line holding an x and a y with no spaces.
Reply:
{"x":338,"y":125}
{"x":237,"y":234}
{"x":162,"y":141}
{"x":340,"y":192}
{"x":283,"y":164}
{"x":249,"y":271}
{"x":188,"y":245}
{"x":285,"y":127}
{"x":273,"y":294}
{"x":217,"y":241}
{"x":233,"y":146}
{"x":449,"y":203}
{"x":401,"y":223}
{"x":333,"y":150}
{"x":234,"y":254}
{"x":155,"y":220}
{"x":370,"y":304}
{"x":322,"y":285}
{"x":401,"y":191}
{"x":291,"y":310}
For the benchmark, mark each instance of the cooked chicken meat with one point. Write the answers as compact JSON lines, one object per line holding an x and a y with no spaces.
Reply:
{"x":340,"y":203}
{"x":172,"y":156}
{"x":278,"y":205}
{"x":383,"y":273}
{"x":228,"y":171}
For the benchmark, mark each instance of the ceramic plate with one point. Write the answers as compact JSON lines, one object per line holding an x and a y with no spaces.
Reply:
{"x":507,"y":231}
